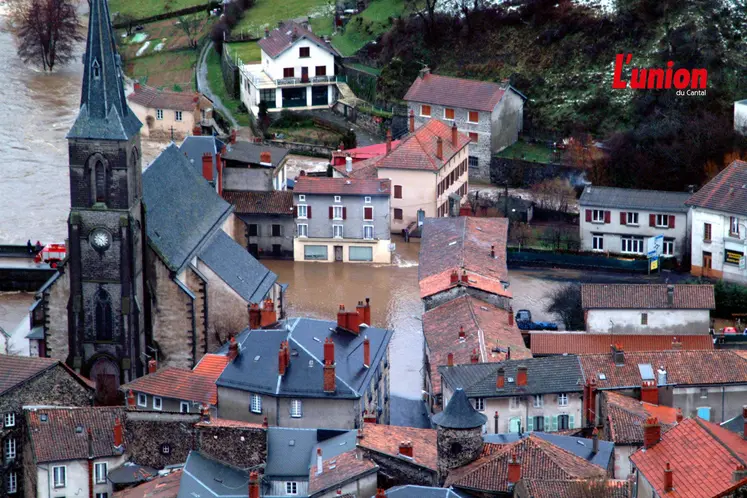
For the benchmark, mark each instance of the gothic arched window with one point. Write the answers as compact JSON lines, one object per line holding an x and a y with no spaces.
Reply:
{"x":103,"y":307}
{"x":96,"y":69}
{"x":100,"y":179}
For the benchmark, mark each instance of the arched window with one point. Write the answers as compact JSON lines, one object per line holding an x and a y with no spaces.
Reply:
{"x":103,"y":307}
{"x":96,"y":69}
{"x":135,"y":156}
{"x":100,"y":179}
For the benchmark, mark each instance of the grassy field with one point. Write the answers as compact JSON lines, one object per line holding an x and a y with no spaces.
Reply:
{"x":367,"y":26}
{"x":534,"y":152}
{"x":172,"y":70}
{"x":322,"y":25}
{"x":248,"y":52}
{"x":140,"y":9}
{"x":215,"y":80}
{"x":269,"y":12}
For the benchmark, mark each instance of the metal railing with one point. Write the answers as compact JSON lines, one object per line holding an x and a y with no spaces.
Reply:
{"x":304,"y":81}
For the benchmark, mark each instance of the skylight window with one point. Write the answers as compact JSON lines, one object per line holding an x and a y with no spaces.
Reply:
{"x":647,"y":371}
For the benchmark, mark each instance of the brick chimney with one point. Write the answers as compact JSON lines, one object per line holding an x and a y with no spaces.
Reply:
{"x":474,"y":357}
{"x":319,"y":462}
{"x":342,"y":317}
{"x":137,"y":86}
{"x":405,"y":449}
{"x":369,"y":418}
{"x":495,"y":423}
{"x":465,"y":278}
{"x":359,"y":309}
{"x":454,"y":134}
{"x":590,"y":401}
{"x":380,"y":493}
{"x":267,"y":315}
{"x":204,"y":414}
{"x":649,"y":392}
{"x":500,"y":379}
{"x":233,"y":349}
{"x":514,"y":470}
{"x":412,"y":121}
{"x":521,"y":376}
{"x":118,"y":433}
{"x":152,"y":366}
{"x":329,"y":350}
{"x":462,"y":335}
{"x":454,"y":277}
{"x":676,"y":345}
{"x":367,"y":312}
{"x":130,"y":399}
{"x":254,"y":484}
{"x":265,"y":158}
{"x":450,"y":360}
{"x":618,"y":354}
{"x":366,"y":352}
{"x":389,"y":141}
{"x":354,"y":322}
{"x":668,"y":479}
{"x":510,"y":316}
{"x":255,"y":316}
{"x":329,"y":366}
{"x":651,"y":432}
{"x":595,"y":441}
{"x":281,"y":361}
{"x":207,"y":167}
{"x":679,"y":415}
{"x":439,"y":148}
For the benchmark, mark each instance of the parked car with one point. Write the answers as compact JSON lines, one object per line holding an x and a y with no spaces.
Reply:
{"x":524,"y":322}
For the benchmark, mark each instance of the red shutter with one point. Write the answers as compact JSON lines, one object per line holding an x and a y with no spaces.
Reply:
{"x":308,"y":212}
{"x":331,"y":209}
{"x":588,"y":215}
{"x":671,"y":221}
{"x":623,"y":218}
{"x":607,"y":216}
{"x":368,"y":213}
{"x":344,"y":213}
{"x":295,"y":211}
{"x":652,"y":220}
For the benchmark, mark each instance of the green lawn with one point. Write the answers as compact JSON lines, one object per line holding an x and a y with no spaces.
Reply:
{"x":269,"y":12}
{"x":140,"y":9}
{"x":173,"y":70}
{"x":367,"y":26}
{"x":537,"y":152}
{"x":363,"y":68}
{"x":248,"y":52}
{"x":215,"y":80}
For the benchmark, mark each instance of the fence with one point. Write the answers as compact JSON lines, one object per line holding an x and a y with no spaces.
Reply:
{"x":568,"y":260}
{"x":168,"y":15}
{"x":230,"y":71}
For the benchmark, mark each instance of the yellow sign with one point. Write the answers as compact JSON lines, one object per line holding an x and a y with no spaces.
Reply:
{"x":654,"y":263}
{"x":732,"y":257}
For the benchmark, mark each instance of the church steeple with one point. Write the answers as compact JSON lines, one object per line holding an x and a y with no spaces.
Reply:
{"x":104,"y":113}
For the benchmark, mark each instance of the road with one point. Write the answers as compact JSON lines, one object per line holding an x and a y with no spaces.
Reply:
{"x":204,"y":87}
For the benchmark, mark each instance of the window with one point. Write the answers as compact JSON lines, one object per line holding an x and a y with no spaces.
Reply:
{"x":303,"y":52}
{"x":303,"y":230}
{"x":703,"y":392}
{"x":336,"y":212}
{"x":539,"y":401}
{"x":103,"y":317}
{"x":303,"y":211}
{"x":368,"y":232}
{"x":12,"y":485}
{"x":425,"y":110}
{"x":142,"y":400}
{"x":632,"y":245}
{"x":597,"y":216}
{"x":10,"y":449}
{"x":473,"y":117}
{"x":473,"y":162}
{"x":291,"y":488}
{"x":320,"y":70}
{"x":268,"y":97}
{"x":178,"y":115}
{"x":253,"y":230}
{"x":296,"y":408}
{"x":337,"y":231}
{"x":562,"y":399}
{"x":449,"y":114}
{"x":632,"y":218}
{"x":704,"y":413}
{"x":367,"y":200}
{"x":10,"y":419}
{"x":538,"y":423}
{"x":734,"y":226}
{"x":563,"y":422}
{"x":165,"y":449}
{"x":288,"y":72}
{"x":368,"y":213}
{"x":360,"y":253}
{"x":707,"y":232}
{"x":397,"y":214}
{"x":480,"y":404}
{"x":255,"y":404}
{"x":668,"y":249}
{"x":100,"y":472}
{"x":662,"y":220}
{"x":473,"y":137}
{"x":302,"y":198}
{"x":398,"y":191}
{"x":644,"y":318}
{"x":100,"y":175}
{"x":277,"y":230}
{"x":157,"y":403}
{"x":184,"y":406}
{"x":159,"y":114}
{"x":60,"y":479}
{"x":315,"y":253}
{"x":102,"y":495}
{"x":597,"y":242}
{"x":513,"y":403}
{"x":338,"y":198}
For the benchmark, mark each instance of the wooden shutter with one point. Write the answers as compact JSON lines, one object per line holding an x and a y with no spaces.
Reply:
{"x":398,"y":191}
{"x":368,"y":213}
{"x":607,"y":216}
{"x":570,"y":421}
{"x":530,"y":424}
{"x":671,"y":221}
{"x":331,"y":210}
{"x":623,"y":217}
{"x":554,"y":426}
{"x":295,"y":211}
{"x":308,"y":212}
{"x":588,"y":215}
{"x":344,"y":213}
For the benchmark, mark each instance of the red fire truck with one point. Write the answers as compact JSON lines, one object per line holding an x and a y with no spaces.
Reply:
{"x":52,"y":254}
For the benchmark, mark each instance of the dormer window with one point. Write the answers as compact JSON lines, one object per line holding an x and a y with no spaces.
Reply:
{"x":96,"y":69}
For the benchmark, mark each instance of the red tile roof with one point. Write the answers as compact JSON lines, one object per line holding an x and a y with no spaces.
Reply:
{"x":647,"y":296}
{"x":547,"y":343}
{"x":683,"y":368}
{"x":58,"y":438}
{"x":361,"y":153}
{"x":16,"y":370}
{"x":153,"y":98}
{"x":625,"y":417}
{"x":539,"y":460}
{"x":284,"y":37}
{"x":455,"y":92}
{"x":341,"y":186}
{"x":337,"y":470}
{"x":485,"y":327}
{"x":160,"y":487}
{"x":727,"y":192}
{"x":386,"y":439}
{"x":598,"y":488}
{"x":702,"y":457}
{"x":273,"y":202}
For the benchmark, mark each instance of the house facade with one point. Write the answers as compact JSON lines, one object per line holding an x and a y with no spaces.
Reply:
{"x":268,"y":218}
{"x":719,"y":225}
{"x":619,"y":221}
{"x":342,"y":220}
{"x":297,"y":71}
{"x":169,"y":114}
{"x":490,"y":113}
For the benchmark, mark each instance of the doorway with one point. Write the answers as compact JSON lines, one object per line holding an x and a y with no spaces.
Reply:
{"x":105,"y":373}
{"x":338,"y":253}
{"x":707,"y":264}
{"x":254,"y":250}
{"x":305,"y":74}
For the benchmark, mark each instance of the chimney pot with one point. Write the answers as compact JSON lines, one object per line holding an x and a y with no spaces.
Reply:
{"x":205,"y":414}
{"x":412,"y":121}
{"x":267,"y":314}
{"x":367,"y":312}
{"x":137,"y":86}
{"x":454,"y":134}
{"x":348,"y":164}
{"x":492,"y":251}
{"x":668,"y":478}
{"x":465,"y":278}
{"x":450,"y":360}
{"x":618,"y":354}
{"x":118,"y":433}
{"x":130,"y":399}
{"x":152,"y":366}
{"x":366,"y":352}
{"x":514,"y":470}
{"x":265,"y":157}
{"x":388,"y":141}
{"x":207,"y":167}
{"x":474,"y":358}
{"x":255,"y":316}
{"x":679,"y":416}
{"x":254,"y":484}
{"x":380,"y":493}
{"x":521,"y":376}
{"x":500,"y":381}
{"x":329,"y":351}
{"x":651,"y":432}
{"x":454,"y":277}
{"x":369,"y":418}
{"x":439,"y":148}
{"x":281,"y":361}
{"x":649,"y":392}
{"x":405,"y":449}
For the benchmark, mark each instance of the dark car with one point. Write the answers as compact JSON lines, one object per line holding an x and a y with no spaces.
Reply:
{"x":524,"y":322}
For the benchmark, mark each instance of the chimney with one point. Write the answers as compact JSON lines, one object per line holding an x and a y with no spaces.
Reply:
{"x":267,"y":32}
{"x":424,"y":72}
{"x":670,"y":295}
{"x":405,"y":449}
{"x":265,"y":158}
{"x":474,"y":357}
{"x":500,"y":380}
{"x":590,"y":402}
{"x":254,"y":482}
{"x":388,"y":141}
{"x":661,"y":376}
{"x":207,"y":167}
{"x":744,"y":422}
{"x":412,"y":121}
{"x":90,"y":444}
{"x":465,"y":278}
{"x":204,"y":414}
{"x":295,"y":33}
{"x":668,"y":479}
{"x":130,"y":399}
{"x":118,"y":433}
{"x":462,"y":335}
{"x":267,"y":315}
{"x":354,"y":320}
{"x":367,"y":312}
{"x":197,"y":131}
{"x":508,"y":349}
{"x":521,"y":376}
{"x":739,"y":474}
{"x":233,"y":349}
{"x":595,"y":441}
{"x":342,"y":317}
{"x":369,"y":418}
{"x":286,"y":350}
{"x":618,"y":355}
{"x":359,"y":309}
{"x":510,"y":316}
{"x":492,"y":251}
{"x":649,"y":392}
{"x":439,"y":148}
{"x":651,"y":432}
{"x":450,"y":360}
{"x":255,"y":316}
{"x":281,"y":361}
{"x":676,"y":345}
{"x":329,"y":366}
{"x":454,"y":277}
{"x":319,"y":462}
{"x":454,"y":134}
{"x":495,"y":423}
{"x":348,"y":164}
{"x":152,"y":366}
{"x":366,"y":352}
{"x":514,"y":470}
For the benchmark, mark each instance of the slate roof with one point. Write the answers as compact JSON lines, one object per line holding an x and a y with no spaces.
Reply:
{"x":552,"y":343}
{"x":702,"y":457}
{"x":58,"y":440}
{"x":203,"y":476}
{"x":183,"y":210}
{"x":154,"y":98}
{"x":278,"y":202}
{"x":485,"y":327}
{"x":160,"y":487}
{"x":646,"y":296}
{"x":194,"y":147}
{"x":362,"y":153}
{"x":735,"y":424}
{"x":289,"y":450}
{"x":15,"y":370}
{"x":455,"y":92}
{"x":131,"y":473}
{"x":727,"y":192}
{"x":546,"y":488}
{"x":539,"y":459}
{"x":463,"y":243}
{"x":629,"y":198}
{"x":579,"y":446}
{"x":684,"y":368}
{"x":103,"y":113}
{"x":626,"y":416}
{"x":282,"y":38}
{"x":385,"y":439}
{"x":412,"y":491}
{"x":459,"y":413}
{"x":249,"y":278}
{"x":249,"y":153}
{"x":339,"y":470}
{"x":256,"y":368}
{"x":342,"y":186}
{"x":546,"y":375}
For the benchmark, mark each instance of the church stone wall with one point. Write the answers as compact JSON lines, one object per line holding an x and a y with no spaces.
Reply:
{"x":228,"y":312}
{"x":55,"y":310}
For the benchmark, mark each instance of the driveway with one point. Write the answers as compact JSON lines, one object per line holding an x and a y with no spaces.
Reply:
{"x":204,"y":87}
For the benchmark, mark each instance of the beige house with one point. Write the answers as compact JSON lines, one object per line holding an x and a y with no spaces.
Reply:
{"x":164,"y":112}
{"x":428,"y":171}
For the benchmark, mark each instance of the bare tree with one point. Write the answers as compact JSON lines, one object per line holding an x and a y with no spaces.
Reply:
{"x":555,"y":194}
{"x":426,"y":10}
{"x":128,"y":21}
{"x":191,"y":27}
{"x":565,"y":302}
{"x":47,"y":31}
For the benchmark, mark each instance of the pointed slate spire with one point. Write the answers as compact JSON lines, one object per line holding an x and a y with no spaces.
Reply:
{"x":104,"y":113}
{"x":459,"y":413}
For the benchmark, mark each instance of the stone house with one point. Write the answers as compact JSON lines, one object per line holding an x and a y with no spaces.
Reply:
{"x":492,"y":114}
{"x":28,"y":381}
{"x":719,"y":225}
{"x":169,"y":114}
{"x":648,"y":308}
{"x":254,"y":167}
{"x":268,"y":216}
{"x":356,"y":227}
{"x":533,"y":394}
{"x":620,"y":220}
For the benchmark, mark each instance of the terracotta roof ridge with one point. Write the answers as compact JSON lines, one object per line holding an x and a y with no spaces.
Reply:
{"x":546,"y":446}
{"x":480,"y":332}
{"x":422,"y":145}
{"x":718,"y":439}
{"x":502,"y":451}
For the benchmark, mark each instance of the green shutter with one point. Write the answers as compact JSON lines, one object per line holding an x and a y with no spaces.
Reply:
{"x":554,"y":423}
{"x":570,"y":422}
{"x":547,"y":423}
{"x":530,"y":424}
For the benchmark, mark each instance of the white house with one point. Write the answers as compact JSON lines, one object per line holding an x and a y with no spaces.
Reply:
{"x":740,"y":116}
{"x":647,"y":308}
{"x":719,"y":225}
{"x":297,"y":71}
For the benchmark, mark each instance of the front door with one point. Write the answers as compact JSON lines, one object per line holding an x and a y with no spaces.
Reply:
{"x":707,"y":263}
{"x":338,"y":253}
{"x":304,"y":74}
{"x":105,"y":373}
{"x":514,"y":425}
{"x":254,"y":250}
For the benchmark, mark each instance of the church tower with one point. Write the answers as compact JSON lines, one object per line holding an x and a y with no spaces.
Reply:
{"x":106,"y":224}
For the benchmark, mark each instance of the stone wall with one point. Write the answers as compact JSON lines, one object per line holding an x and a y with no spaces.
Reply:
{"x":241,"y":447}
{"x":228,"y":311}
{"x":147,"y":433}
{"x":55,"y":303}
{"x":457,"y":447}
{"x":523,"y":174}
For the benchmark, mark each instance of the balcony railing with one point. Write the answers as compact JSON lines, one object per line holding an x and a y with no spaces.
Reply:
{"x":304,"y":81}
